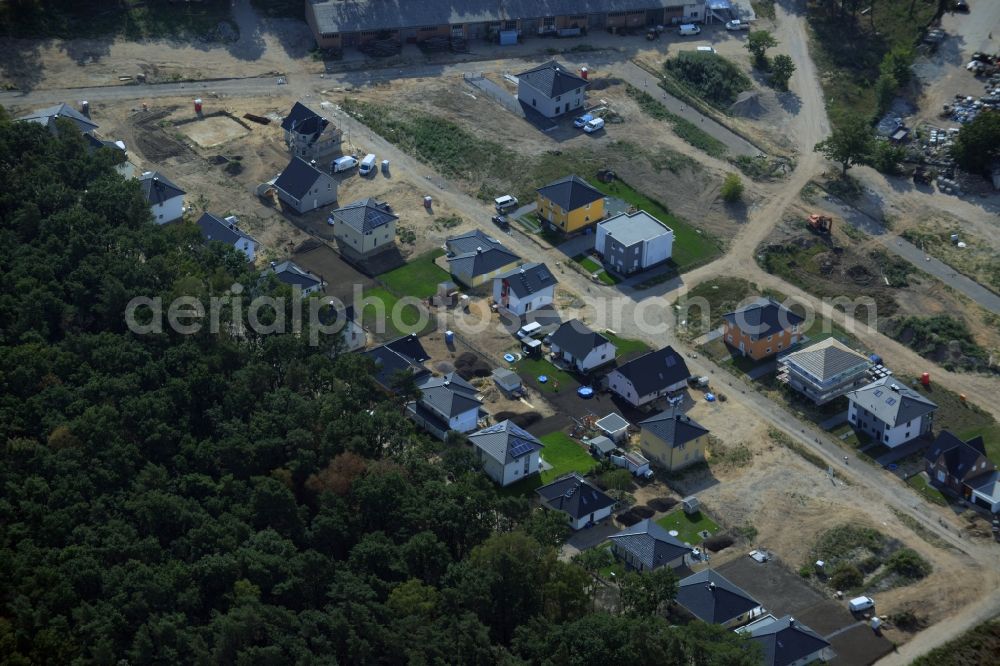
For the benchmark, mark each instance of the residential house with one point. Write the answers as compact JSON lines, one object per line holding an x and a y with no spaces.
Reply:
{"x":308,"y":134}
{"x":123,"y":166}
{"x":364,"y":228}
{"x":646,"y":546}
{"x":583,"y":349}
{"x":346,"y":322}
{"x":48,"y":116}
{"x":601,"y":447}
{"x":404,"y":354}
{"x":960,"y":467}
{"x":649,"y":376}
{"x":614,"y":426}
{"x":890,"y":412}
{"x":290,"y":273}
{"x":215,"y":230}
{"x":762,"y":328}
{"x":508,"y":453}
{"x":787,"y":642}
{"x":711,"y":597}
{"x":474,"y":258}
{"x":338,"y":25}
{"x":673,"y":439}
{"x":524,"y":289}
{"x":570,"y":204}
{"x":303,"y":187}
{"x":508,"y":381}
{"x":986,"y":492}
{"x":582,"y":503}
{"x":446,"y":403}
{"x":166,"y":200}
{"x":551,"y":89}
{"x":824,"y":371}
{"x":633,"y":242}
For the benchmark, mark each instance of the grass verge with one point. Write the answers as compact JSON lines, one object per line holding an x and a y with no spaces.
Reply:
{"x":921,"y":531}
{"x":979,"y":645}
{"x":626,"y":346}
{"x":926,"y":490}
{"x":683,"y":128}
{"x":778,"y":437}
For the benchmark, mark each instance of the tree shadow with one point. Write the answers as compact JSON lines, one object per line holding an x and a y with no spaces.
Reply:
{"x":21,"y":63}
{"x":790,"y":102}
{"x":86,"y":51}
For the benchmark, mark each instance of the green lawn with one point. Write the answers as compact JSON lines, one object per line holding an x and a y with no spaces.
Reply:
{"x":559,"y":380}
{"x":419,"y":278}
{"x":626,"y":346}
{"x":564,"y":454}
{"x":588,"y":263}
{"x":926,"y":490}
{"x":617,"y":567}
{"x":409,"y":318}
{"x":963,"y":419}
{"x":688,"y":526}
{"x":691,"y":246}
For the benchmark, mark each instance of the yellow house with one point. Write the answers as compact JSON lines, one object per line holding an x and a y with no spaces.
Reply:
{"x":673,"y":439}
{"x":570,"y":204}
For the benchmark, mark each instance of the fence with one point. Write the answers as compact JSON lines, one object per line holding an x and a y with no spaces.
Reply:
{"x":493,"y":91}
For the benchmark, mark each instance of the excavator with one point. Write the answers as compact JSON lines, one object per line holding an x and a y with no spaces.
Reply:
{"x":820,"y":224}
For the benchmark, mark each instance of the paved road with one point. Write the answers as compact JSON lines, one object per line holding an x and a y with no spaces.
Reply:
{"x":643,"y":80}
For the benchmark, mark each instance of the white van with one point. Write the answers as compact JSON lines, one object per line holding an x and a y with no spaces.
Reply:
{"x":858,"y":604}
{"x":688,"y":29}
{"x":505,"y":203}
{"x":706,"y":49}
{"x":344,"y":163}
{"x":367,"y":165}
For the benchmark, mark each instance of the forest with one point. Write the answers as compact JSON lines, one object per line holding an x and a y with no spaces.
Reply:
{"x":234,"y":498}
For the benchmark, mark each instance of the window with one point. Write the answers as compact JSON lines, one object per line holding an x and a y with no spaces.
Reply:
{"x":510,"y":25}
{"x":779,"y":346}
{"x":429,"y":28}
{"x":767,"y":351}
{"x":769,"y":338}
{"x":559,"y":98}
{"x":885,"y":437}
{"x":549,"y":21}
{"x":940,"y":476}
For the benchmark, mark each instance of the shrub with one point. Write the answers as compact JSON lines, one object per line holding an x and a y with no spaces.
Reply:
{"x":908,"y":563}
{"x":732,"y":188}
{"x":806,"y":570}
{"x":711,"y":76}
{"x":846,"y":577}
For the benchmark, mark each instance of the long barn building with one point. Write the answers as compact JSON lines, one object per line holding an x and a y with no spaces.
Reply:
{"x":339,"y":24}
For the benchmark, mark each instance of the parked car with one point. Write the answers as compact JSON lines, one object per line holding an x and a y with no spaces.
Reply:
{"x":737,"y":24}
{"x":858,"y":604}
{"x":344,"y":163}
{"x":501,"y":221}
{"x":594,"y":125}
{"x":706,"y":49}
{"x":961,"y":6}
{"x":505,"y":203}
{"x":367,"y":165}
{"x":688,"y":29}
{"x":583,"y":120}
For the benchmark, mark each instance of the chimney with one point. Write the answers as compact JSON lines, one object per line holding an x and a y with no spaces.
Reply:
{"x":791,"y":622}
{"x":711,"y":586}
{"x":479,"y":250}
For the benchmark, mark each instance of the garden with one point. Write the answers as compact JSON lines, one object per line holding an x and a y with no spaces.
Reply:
{"x":688,"y":526}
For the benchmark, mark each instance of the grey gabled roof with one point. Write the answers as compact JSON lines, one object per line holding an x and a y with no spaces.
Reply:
{"x":528,"y":279}
{"x":572,"y":495}
{"x":552,"y":79}
{"x":303,"y":120}
{"x":764,"y":316}
{"x":655,"y":371}
{"x":785,"y":641}
{"x":506,"y":378}
{"x":297,"y":178}
{"x":709,"y":596}
{"x":474,"y":253}
{"x":570,"y":193}
{"x":827,"y":359}
{"x":505,"y":442}
{"x":292,"y":274}
{"x":650,"y":544}
{"x":364,"y":216}
{"x":674,"y":427}
{"x":448,"y":397}
{"x":959,"y":457}
{"x":631,"y":228}
{"x":215,"y":229}
{"x":157,"y":188}
{"x":604,"y":445}
{"x":339,"y":16}
{"x":891,"y":401}
{"x":575,"y":337}
{"x":47,"y":116}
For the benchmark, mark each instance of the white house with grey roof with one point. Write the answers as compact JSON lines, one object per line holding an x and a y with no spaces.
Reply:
{"x":308,"y":134}
{"x":649,"y":376}
{"x":48,"y":116}
{"x":446,"y":403}
{"x":524,"y":289}
{"x":475,"y":258}
{"x":216,"y":230}
{"x":576,"y":344}
{"x":890,"y":412}
{"x":824,"y":371}
{"x":304,"y":187}
{"x":574,"y":496}
{"x":646,"y":546}
{"x":364,"y":228}
{"x":290,"y":273}
{"x":551,"y":89}
{"x":507,"y":452}
{"x":633,"y":242}
{"x":166,"y":200}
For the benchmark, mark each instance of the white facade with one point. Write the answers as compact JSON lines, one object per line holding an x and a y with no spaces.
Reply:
{"x":168,"y":211}
{"x":882,"y":433}
{"x":550,"y":107}
{"x":517,"y":305}
{"x":597,"y":357}
{"x":594,"y":517}
{"x":618,"y":383}
{"x":365,"y":244}
{"x":513,"y":471}
{"x":632,"y":242}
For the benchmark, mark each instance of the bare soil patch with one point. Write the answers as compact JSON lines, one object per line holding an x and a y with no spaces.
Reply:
{"x":214,"y":131}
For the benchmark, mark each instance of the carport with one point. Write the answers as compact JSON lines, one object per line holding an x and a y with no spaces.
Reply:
{"x":986,"y":492}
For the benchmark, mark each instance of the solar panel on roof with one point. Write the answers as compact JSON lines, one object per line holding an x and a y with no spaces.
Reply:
{"x":890,"y":401}
{"x":671,"y":361}
{"x":520,"y":448}
{"x":878,"y":393}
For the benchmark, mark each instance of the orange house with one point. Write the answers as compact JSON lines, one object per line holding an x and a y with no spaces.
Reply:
{"x":762,"y":329}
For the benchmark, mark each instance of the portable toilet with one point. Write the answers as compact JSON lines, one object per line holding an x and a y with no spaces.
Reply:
{"x":925,"y":379}
{"x":197,"y":105}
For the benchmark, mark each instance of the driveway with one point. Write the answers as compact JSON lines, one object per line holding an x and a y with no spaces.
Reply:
{"x":588,"y":538}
